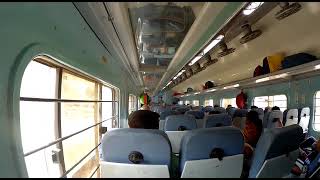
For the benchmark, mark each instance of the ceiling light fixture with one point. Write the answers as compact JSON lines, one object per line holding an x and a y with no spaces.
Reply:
{"x":272,"y":77}
{"x":213,"y":43}
{"x":195,"y":59}
{"x":251,"y":8}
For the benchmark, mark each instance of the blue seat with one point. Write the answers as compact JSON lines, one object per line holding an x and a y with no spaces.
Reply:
{"x":239,"y":118}
{"x":196,"y":114}
{"x":271,"y":116}
{"x":119,"y":144}
{"x":276,"y":152}
{"x":182,"y":110}
{"x":231,"y":111}
{"x":174,"y":122}
{"x":220,"y":109}
{"x":215,"y":120}
{"x":166,"y":113}
{"x":196,"y":158}
{"x":208,"y":108}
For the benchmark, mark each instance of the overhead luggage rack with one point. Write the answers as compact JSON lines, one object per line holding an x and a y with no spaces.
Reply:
{"x":300,"y":71}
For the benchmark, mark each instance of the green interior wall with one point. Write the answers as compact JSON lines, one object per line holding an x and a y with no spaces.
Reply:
{"x":57,"y":29}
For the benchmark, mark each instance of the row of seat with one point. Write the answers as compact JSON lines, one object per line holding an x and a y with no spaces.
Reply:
{"x":290,"y":116}
{"x":147,"y":153}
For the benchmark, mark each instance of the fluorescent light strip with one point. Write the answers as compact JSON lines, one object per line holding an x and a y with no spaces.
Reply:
{"x":233,"y":86}
{"x":317,"y":66}
{"x":195,"y":59}
{"x":272,"y":77}
{"x":213,"y":43}
{"x":211,"y":90}
{"x":196,"y":93}
{"x":251,"y":8}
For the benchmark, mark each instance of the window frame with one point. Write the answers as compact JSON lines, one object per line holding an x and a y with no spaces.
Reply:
{"x":269,"y":101}
{"x":314,"y":111}
{"x":60,"y":68}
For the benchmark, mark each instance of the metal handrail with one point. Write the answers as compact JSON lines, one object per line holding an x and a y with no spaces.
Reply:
{"x":61,"y":100}
{"x":95,"y":171}
{"x":67,"y":172}
{"x":64,"y":138}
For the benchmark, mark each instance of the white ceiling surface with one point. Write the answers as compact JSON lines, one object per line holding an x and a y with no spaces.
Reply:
{"x":299,"y":32}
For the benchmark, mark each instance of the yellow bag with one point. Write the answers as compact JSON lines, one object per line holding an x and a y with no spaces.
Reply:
{"x":274,"y":61}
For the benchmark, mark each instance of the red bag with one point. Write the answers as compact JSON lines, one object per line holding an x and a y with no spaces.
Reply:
{"x":258,"y":71}
{"x":241,"y":100}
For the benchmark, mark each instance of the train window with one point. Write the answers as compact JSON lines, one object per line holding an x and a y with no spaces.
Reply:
{"x":69,"y":109}
{"x":187,"y":102}
{"x":180,"y":102}
{"x":39,"y":81}
{"x":270,"y":101}
{"x":316,"y":122}
{"x":226,"y":102}
{"x":195,"y":102}
{"x":208,"y":102}
{"x":132,"y":103}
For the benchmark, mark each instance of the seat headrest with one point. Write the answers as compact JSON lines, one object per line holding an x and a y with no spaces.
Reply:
{"x":121,"y":144}
{"x":290,"y":115}
{"x":240,"y":113}
{"x":196,"y":114}
{"x":176,"y":122}
{"x":164,"y":114}
{"x":199,"y":144}
{"x":275,"y":142}
{"x":220,"y":109}
{"x":272,"y":115}
{"x":303,"y":112}
{"x":208,"y":108}
{"x":215,"y":120}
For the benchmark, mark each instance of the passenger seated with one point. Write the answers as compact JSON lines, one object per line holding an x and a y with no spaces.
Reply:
{"x":145,"y":119}
{"x":214,"y":112}
{"x":277,"y":120}
{"x":253,"y":128}
{"x":267,"y":109}
{"x":254,"y":107}
{"x":308,"y":159}
{"x":216,"y":106}
{"x":229,"y":106}
{"x":145,"y":107}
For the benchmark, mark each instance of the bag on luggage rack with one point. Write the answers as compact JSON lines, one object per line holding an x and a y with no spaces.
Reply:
{"x":272,"y":63}
{"x":258,"y":71}
{"x":297,"y":59}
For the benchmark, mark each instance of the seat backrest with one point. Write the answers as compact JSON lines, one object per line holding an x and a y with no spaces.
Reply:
{"x":182,"y":110}
{"x":182,"y":121}
{"x":260,"y":112}
{"x":121,"y":145}
{"x":239,"y":118}
{"x":197,"y":148}
{"x":272,"y":116}
{"x":220,"y":109}
{"x":276,"y":152}
{"x":215,"y":120}
{"x":290,"y":116}
{"x":231,"y":111}
{"x":265,"y":119}
{"x":304,"y":118}
{"x":208,"y":108}
{"x":196,"y":114}
{"x":166,"y":113}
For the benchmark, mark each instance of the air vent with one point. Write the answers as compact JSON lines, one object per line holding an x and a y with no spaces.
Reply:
{"x":224,"y":49}
{"x":287,"y":10}
{"x":249,"y":34}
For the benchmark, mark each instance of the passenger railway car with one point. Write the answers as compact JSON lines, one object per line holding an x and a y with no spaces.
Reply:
{"x":72,"y":73}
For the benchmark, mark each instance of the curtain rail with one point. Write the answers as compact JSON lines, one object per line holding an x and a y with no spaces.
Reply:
{"x":64,"y":138}
{"x":61,"y":100}
{"x":67,"y":172}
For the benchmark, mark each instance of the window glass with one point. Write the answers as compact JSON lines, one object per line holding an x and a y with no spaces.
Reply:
{"x":316,"y":122}
{"x":195,"y":103}
{"x":271,"y":101}
{"x":226,"y":102}
{"x":132,"y":103}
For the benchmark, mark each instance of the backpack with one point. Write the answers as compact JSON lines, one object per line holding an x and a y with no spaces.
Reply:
{"x":297,"y":59}
{"x":258,"y":71}
{"x":209,"y":85}
{"x":241,"y":100}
